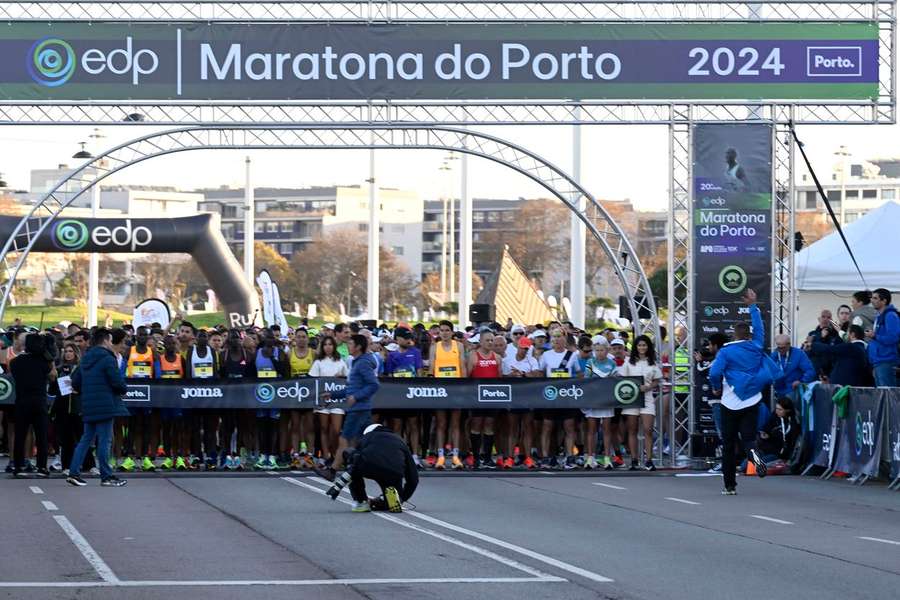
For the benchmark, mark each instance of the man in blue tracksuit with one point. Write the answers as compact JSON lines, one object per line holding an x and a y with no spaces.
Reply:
{"x":362,"y":383}
{"x":742,"y":370}
{"x":883,"y":339}
{"x":794,"y":363}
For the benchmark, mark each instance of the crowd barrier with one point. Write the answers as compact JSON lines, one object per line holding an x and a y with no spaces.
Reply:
{"x":859,"y":435}
{"x":407,"y":393}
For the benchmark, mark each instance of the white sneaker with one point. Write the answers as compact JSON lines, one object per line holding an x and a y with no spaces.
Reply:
{"x":94,"y":471}
{"x":359,"y":507}
{"x":56,"y":467}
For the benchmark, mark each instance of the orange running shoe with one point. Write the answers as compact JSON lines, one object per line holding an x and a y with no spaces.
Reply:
{"x":529,"y":463}
{"x":455,"y":462}
{"x":508,"y":463}
{"x":439,"y":464}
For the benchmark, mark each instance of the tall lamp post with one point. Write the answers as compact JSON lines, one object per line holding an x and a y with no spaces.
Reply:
{"x":350,"y":277}
{"x":94,"y":264}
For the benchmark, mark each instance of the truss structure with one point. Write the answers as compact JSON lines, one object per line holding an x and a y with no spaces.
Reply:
{"x":618,"y":249}
{"x":177,"y":113}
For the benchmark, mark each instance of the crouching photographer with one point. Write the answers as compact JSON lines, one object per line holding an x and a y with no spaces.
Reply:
{"x":383,"y":457}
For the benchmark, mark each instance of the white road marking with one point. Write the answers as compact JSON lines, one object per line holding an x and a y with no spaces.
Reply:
{"x":871,"y":539}
{"x":683,"y":501}
{"x":487,"y":553}
{"x":546,"y":472}
{"x":35,"y":489}
{"x":49,"y":505}
{"x":86,"y":550}
{"x":770,"y":519}
{"x":276,"y":582}
{"x":609,"y":485}
{"x":508,"y":546}
{"x":698,"y":474}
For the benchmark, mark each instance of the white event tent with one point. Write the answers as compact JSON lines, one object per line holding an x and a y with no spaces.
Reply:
{"x":825,"y":275}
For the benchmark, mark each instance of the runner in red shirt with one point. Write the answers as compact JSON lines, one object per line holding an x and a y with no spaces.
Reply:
{"x":483,"y":363}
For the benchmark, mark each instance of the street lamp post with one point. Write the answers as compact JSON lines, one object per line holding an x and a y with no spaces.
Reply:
{"x":350,"y":277}
{"x":844,"y":155}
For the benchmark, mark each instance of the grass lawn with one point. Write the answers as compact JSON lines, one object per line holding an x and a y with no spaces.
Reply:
{"x":31,"y":315}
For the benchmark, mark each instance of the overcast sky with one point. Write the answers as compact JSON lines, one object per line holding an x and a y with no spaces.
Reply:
{"x":620,"y":162}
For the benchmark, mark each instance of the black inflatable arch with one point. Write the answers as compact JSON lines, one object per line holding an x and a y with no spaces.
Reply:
{"x":198,"y":236}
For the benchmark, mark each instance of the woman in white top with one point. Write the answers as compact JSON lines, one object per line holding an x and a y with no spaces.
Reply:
{"x":328,"y":363}
{"x":642,"y":363}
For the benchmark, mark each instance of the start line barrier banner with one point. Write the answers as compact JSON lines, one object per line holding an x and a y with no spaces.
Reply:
{"x":401,"y":393}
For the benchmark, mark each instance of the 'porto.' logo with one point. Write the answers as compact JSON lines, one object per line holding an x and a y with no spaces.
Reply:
{"x":494,"y":393}
{"x":626,"y":392}
{"x":426,"y":392}
{"x":265,"y":393}
{"x":70,"y":235}
{"x":865,"y":434}
{"x":51,"y":62}
{"x":6,"y":389}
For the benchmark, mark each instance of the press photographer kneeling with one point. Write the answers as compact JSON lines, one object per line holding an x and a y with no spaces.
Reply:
{"x":383,"y":457}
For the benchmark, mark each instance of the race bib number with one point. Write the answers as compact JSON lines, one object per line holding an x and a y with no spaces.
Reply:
{"x":171,"y":375}
{"x":559,"y":373}
{"x":266,"y":373}
{"x":141,"y":371}
{"x":402,"y":374}
{"x":203,"y":371}
{"x":447,"y":372}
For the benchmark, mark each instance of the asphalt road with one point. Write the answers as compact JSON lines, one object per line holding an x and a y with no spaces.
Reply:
{"x":499,"y":537}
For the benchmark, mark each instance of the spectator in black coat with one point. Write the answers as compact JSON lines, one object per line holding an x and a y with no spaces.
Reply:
{"x":32,"y":372}
{"x":849,"y":360}
{"x":825,"y":333}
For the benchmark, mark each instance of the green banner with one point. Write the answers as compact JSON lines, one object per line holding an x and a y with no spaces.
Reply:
{"x":280,"y":62}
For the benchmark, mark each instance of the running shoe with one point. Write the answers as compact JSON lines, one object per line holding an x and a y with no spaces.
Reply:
{"x":229,"y":463}
{"x":759,"y":463}
{"x":271,"y":463}
{"x":210,"y":464}
{"x":260,"y":463}
{"x":634,"y":466}
{"x":76,"y":481}
{"x":29,"y":466}
{"x":649,"y":466}
{"x":296,"y":462}
{"x":181,"y":464}
{"x":147,"y":464}
{"x":499,"y":462}
{"x":418,"y":462}
{"x":113,"y":481}
{"x":56,"y":467}
{"x":608,"y":465}
{"x":570,"y":463}
{"x":392,"y":497}
{"x":10,"y":467}
{"x":729,"y":492}
{"x":440,"y":463}
{"x":160,"y":451}
{"x":455,"y":462}
{"x":238,"y":463}
{"x":529,"y":463}
{"x":167,"y":463}
{"x":617,"y":460}
{"x":590,"y":463}
{"x":487,"y":464}
{"x":308,"y":462}
{"x":717,"y":468}
{"x":361,"y":507}
{"x":470,"y":461}
{"x":509,"y":463}
{"x":304,"y":449}
{"x":94,"y":471}
{"x":194,"y":462}
{"x":430,"y":461}
{"x":20,"y":474}
{"x":127,"y":464}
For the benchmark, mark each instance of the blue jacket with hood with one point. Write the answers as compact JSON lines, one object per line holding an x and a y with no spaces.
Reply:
{"x":101,"y":385}
{"x":743,"y":363}
{"x":883,"y":347}
{"x":362,"y":383}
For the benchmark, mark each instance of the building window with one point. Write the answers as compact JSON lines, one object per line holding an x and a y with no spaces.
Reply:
{"x":287,"y":227}
{"x":286,"y":249}
{"x":478,"y":217}
{"x":363,"y":227}
{"x":888,"y":194}
{"x":239,"y":227}
{"x":870,"y":193}
{"x":852,"y":194}
{"x":834,"y":196}
{"x":812,"y":199}
{"x":493,"y":217}
{"x":398,"y":250}
{"x":508,"y":215}
{"x":229,"y":212}
{"x":259,"y":227}
{"x":272,"y":227}
{"x":398,"y":228}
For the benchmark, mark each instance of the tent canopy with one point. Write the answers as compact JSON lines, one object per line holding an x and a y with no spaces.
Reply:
{"x":826,"y":265}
